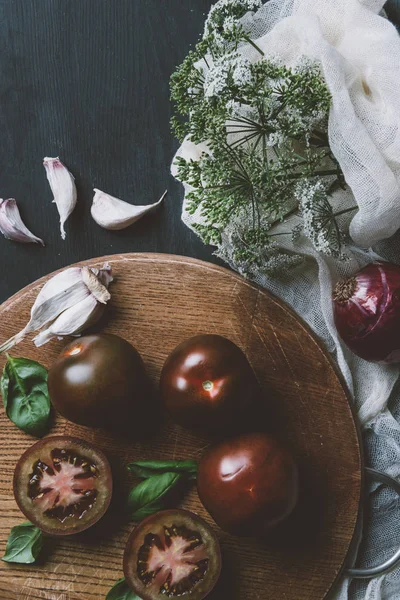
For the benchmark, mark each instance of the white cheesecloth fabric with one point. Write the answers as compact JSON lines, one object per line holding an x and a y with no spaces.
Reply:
{"x":359,"y":51}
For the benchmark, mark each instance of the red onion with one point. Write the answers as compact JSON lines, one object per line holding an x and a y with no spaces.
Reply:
{"x":367,"y":312}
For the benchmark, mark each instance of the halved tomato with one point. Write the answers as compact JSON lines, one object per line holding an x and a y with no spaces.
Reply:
{"x":174,"y":554}
{"x":63,"y":485}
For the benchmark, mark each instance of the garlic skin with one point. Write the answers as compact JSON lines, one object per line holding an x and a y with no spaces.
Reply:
{"x":62,"y":184}
{"x":114,"y":214}
{"x":12,"y":226}
{"x":63,"y":306}
{"x":96,"y":287}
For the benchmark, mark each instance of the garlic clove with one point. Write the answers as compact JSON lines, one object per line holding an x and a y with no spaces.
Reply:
{"x":62,"y":292}
{"x":47,"y":307}
{"x":72,"y":321}
{"x":114,"y":214}
{"x":59,"y":283}
{"x":12,"y":226}
{"x":62,"y":184}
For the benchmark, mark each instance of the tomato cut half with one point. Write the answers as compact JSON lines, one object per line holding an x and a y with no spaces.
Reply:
{"x":63,"y":485}
{"x":173,"y":554}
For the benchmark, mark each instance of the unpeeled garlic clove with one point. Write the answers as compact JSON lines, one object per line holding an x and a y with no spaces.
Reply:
{"x":72,"y":321}
{"x":62,"y":292}
{"x":12,"y":226}
{"x":62,"y":184}
{"x":111,"y":213}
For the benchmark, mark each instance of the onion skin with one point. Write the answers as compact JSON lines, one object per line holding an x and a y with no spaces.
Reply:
{"x":367,"y":312}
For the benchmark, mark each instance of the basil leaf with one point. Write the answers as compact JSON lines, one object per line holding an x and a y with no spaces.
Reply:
{"x":24,"y":544}
{"x":148,"y":468}
{"x":121,"y":591}
{"x":149,"y":496}
{"x":25,"y":395}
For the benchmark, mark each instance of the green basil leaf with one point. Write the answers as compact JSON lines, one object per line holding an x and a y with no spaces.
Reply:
{"x":121,"y":591}
{"x":149,"y":496}
{"x":24,"y":544}
{"x":25,"y":395}
{"x":148,"y":468}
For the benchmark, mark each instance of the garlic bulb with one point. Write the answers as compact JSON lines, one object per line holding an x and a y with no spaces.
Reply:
{"x":12,"y":226}
{"x":62,"y":184}
{"x":67,"y":304}
{"x":111,"y":213}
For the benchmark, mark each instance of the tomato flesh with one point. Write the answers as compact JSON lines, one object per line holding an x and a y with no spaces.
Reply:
{"x":173,"y":553}
{"x":173,"y":561}
{"x":64,"y":488}
{"x":63,"y":485}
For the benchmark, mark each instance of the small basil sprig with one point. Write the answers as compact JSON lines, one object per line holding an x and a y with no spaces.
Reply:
{"x":121,"y":591}
{"x":24,"y":544}
{"x":150,"y":495}
{"x":148,"y":468}
{"x":25,"y":395}
{"x":161,"y":477}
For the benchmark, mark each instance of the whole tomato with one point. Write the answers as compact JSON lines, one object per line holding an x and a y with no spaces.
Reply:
{"x":248,"y":484}
{"x":207,"y":383}
{"x":99,"y":381}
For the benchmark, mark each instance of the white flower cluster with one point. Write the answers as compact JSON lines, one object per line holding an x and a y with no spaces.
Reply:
{"x":275,"y":139}
{"x":229,"y":8}
{"x":234,"y":108}
{"x":230,"y":23}
{"x":237,"y":110}
{"x":231,"y":5}
{"x":318,"y":217}
{"x":223,"y":18}
{"x":241,"y":73}
{"x":230,"y":67}
{"x":264,"y":258}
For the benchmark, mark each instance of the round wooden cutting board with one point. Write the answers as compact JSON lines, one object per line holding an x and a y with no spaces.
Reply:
{"x":158,"y":301}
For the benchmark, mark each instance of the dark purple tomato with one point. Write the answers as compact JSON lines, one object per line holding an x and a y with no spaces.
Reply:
{"x":63,"y":485}
{"x":248,"y":484}
{"x":207,"y":383}
{"x":172,"y":554}
{"x":99,"y":381}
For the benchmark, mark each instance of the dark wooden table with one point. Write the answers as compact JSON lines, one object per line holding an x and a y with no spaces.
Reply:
{"x":88,"y":80}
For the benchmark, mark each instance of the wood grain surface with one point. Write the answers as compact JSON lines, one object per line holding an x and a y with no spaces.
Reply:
{"x":158,"y":301}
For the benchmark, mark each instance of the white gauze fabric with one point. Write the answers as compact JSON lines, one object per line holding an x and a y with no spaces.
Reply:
{"x":359,"y":52}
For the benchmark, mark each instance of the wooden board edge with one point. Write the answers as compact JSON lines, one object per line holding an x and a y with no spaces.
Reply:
{"x":171,"y":258}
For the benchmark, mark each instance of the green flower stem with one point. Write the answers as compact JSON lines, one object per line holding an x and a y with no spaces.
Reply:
{"x":250,"y":41}
{"x":314,"y":174}
{"x":327,"y":172}
{"x":321,"y":135}
{"x":345,"y":211}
